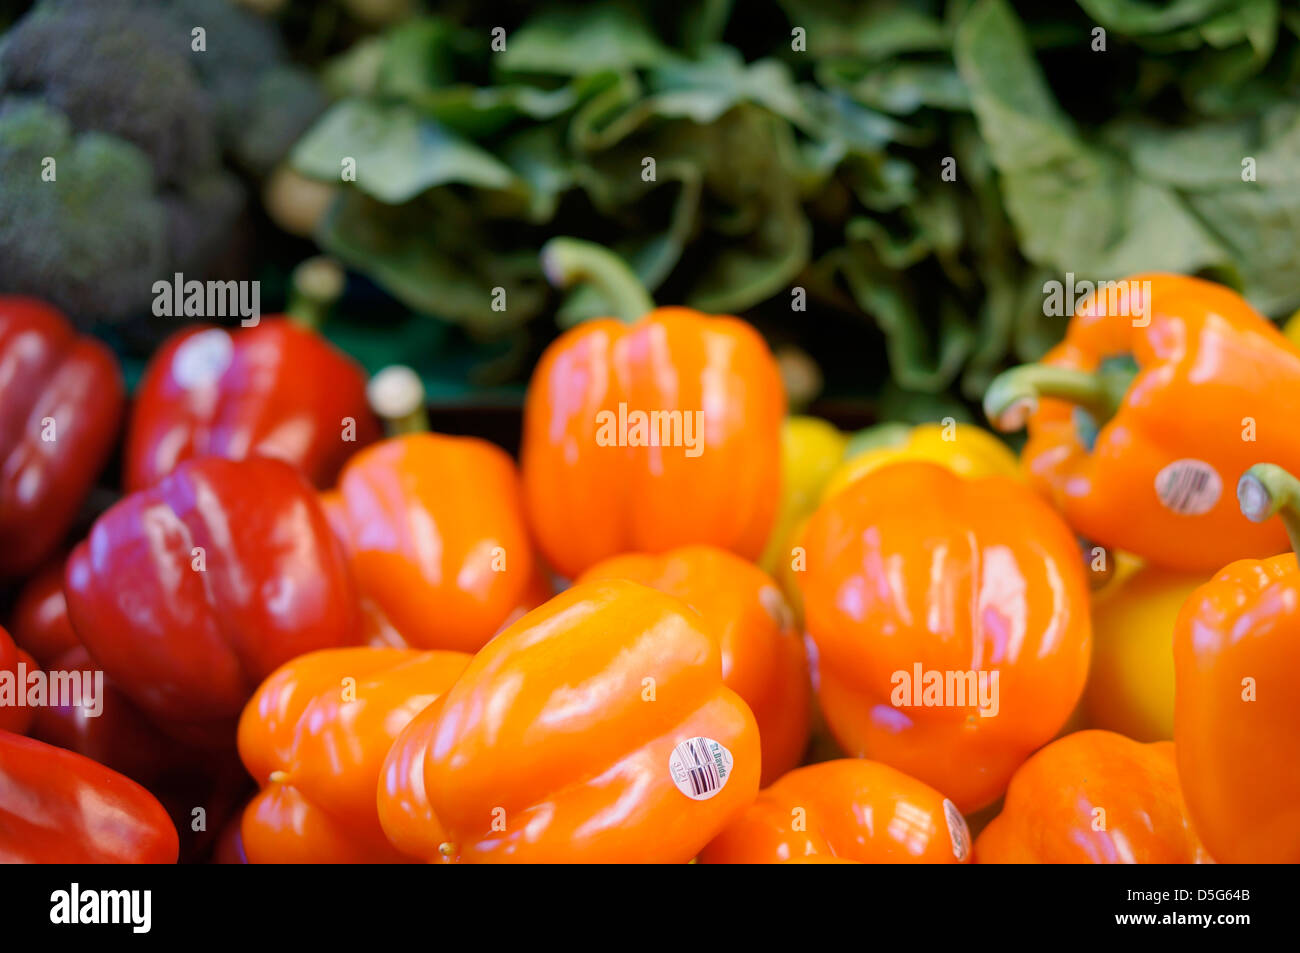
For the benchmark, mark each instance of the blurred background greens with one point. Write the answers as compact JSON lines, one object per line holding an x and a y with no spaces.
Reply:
{"x":919,"y":169}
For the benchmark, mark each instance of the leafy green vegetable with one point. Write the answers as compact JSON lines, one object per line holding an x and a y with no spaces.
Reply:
{"x":919,"y":168}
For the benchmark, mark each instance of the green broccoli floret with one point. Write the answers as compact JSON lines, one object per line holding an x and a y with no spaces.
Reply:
{"x":128,"y":67}
{"x":128,"y":70}
{"x":120,"y":68}
{"x":94,"y":239}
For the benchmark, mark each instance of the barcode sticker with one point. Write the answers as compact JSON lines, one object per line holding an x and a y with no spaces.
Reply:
{"x":1189,"y":487}
{"x":203,"y":358}
{"x":958,"y":832}
{"x":700,"y":767}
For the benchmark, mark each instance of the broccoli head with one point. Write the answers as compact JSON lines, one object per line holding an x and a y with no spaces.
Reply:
{"x":81,"y":224}
{"x":118,"y":68}
{"x":123,"y":85}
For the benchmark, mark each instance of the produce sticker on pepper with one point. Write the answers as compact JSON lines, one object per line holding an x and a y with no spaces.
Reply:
{"x":700,"y":767}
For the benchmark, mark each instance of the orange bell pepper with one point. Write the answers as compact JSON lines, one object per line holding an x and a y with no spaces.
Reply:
{"x":763,"y":659}
{"x":646,"y":436}
{"x":1094,"y":797}
{"x":848,"y":809}
{"x":317,"y":741}
{"x":595,"y":729}
{"x":434,"y":530}
{"x":951,"y":623}
{"x":1236,"y":709}
{"x":1143,"y":415}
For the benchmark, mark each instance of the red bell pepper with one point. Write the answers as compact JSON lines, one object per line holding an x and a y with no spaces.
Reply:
{"x":190,"y":593}
{"x":118,"y":735}
{"x":57,"y":807}
{"x":277,"y":389}
{"x":113,"y":731}
{"x":13,"y":717}
{"x":229,"y":848}
{"x":61,"y":398}
{"x":40,"y":621}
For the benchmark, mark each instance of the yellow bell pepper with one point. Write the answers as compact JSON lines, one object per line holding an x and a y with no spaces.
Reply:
{"x":1292,"y":329}
{"x":818,"y":461}
{"x":1131,"y":683}
{"x":811,"y":449}
{"x":966,"y":449}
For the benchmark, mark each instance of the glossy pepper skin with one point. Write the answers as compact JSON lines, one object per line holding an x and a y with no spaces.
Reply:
{"x":1158,"y":481}
{"x":114,"y":732}
{"x":189,"y":635}
{"x":849,"y":809}
{"x":57,"y":807}
{"x":763,"y":659}
{"x":556,"y":743}
{"x":965,"y":449}
{"x":107,"y":727}
{"x":14,"y":718}
{"x":1093,"y":797}
{"x":1131,"y":679}
{"x":593,"y":485}
{"x":61,"y":398}
{"x":276,"y":390}
{"x":913,"y":567}
{"x":1237,"y":712}
{"x":317,"y":743}
{"x":588,"y":501}
{"x":435,"y":534}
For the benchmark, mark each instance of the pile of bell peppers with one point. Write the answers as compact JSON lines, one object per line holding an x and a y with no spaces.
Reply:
{"x":683,"y":626}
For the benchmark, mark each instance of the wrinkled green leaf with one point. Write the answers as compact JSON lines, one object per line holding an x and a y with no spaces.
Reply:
{"x":578,"y":40}
{"x":451,"y":269}
{"x":1076,"y":208}
{"x":875,"y":29}
{"x":398,"y":153}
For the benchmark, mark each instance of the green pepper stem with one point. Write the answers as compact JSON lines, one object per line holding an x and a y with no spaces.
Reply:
{"x":566,"y":261}
{"x":1014,"y":394}
{"x":397,"y":395}
{"x":316,"y":285}
{"x":1267,"y":490}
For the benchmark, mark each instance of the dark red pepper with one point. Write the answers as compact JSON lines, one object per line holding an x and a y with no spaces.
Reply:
{"x":115,"y":732}
{"x":229,"y":848}
{"x":190,"y":593}
{"x":14,"y":717}
{"x":57,"y":807}
{"x":40,"y":621}
{"x":61,"y":398}
{"x":277,"y":390}
{"x":119,"y":736}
